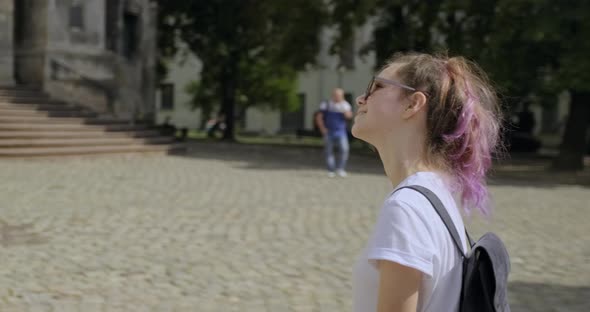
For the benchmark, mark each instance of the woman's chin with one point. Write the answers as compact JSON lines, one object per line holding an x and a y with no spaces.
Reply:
{"x":357,"y":131}
{"x":362,"y":133}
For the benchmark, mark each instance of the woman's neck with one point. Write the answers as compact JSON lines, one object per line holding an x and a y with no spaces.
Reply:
{"x":400,"y":163}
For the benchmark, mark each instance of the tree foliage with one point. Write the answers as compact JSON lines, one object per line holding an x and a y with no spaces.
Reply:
{"x":251,"y":50}
{"x":530,"y":48}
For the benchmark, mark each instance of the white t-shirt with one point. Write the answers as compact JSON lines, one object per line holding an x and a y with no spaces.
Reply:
{"x":337,"y":107}
{"x":410,"y":232}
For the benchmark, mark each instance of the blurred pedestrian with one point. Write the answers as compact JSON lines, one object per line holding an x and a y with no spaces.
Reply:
{"x":331,"y":121}
{"x":214,"y":125}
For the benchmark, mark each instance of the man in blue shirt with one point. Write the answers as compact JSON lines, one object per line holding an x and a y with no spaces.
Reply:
{"x":332,"y":124}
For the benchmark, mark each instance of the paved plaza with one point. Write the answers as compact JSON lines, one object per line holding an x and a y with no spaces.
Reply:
{"x":248,"y":228}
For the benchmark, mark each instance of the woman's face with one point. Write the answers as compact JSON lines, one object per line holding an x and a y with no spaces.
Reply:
{"x":380,"y":115}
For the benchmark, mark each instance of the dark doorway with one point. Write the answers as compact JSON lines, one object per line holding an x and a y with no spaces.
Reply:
{"x":29,"y":41}
{"x":130,"y":35}
{"x":111,"y":24}
{"x":19,"y":36}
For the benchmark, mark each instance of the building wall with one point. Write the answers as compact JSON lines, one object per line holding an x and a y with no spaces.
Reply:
{"x":80,"y":47}
{"x":6,"y":42}
{"x":317,"y":83}
{"x":182,"y":70}
{"x":95,"y":70}
{"x":87,"y":39}
{"x":263,"y":121}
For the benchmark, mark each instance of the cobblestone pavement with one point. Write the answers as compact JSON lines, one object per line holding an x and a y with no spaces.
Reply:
{"x":243,"y":228}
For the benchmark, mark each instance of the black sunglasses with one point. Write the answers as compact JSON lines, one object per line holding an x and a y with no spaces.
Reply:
{"x":389,"y":82}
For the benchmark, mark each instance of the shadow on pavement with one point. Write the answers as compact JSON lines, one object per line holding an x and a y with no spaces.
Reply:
{"x":535,"y":171}
{"x":532,"y":297}
{"x":528,"y":170}
{"x":272,"y":157}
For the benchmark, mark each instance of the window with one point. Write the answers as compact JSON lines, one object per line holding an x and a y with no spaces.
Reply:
{"x":77,"y":16}
{"x":130,"y":35}
{"x":167,"y":96}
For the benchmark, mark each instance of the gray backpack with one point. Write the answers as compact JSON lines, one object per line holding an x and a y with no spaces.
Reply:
{"x":485,"y":266}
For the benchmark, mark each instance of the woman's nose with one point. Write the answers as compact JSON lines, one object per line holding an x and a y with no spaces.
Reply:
{"x":360,"y":100}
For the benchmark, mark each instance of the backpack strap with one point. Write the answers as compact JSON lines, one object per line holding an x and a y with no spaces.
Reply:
{"x":442,"y":212}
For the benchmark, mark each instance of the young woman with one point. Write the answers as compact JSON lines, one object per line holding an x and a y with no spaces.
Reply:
{"x":435,"y":122}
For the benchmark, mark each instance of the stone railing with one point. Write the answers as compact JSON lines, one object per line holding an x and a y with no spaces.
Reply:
{"x":70,"y":84}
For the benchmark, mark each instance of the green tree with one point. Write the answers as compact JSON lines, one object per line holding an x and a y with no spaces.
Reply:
{"x":539,"y":47}
{"x":250,"y":50}
{"x":200,"y":98}
{"x":564,"y":26}
{"x":529,"y":48}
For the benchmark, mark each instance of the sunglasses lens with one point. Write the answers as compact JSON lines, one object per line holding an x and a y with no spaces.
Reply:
{"x":369,"y":88}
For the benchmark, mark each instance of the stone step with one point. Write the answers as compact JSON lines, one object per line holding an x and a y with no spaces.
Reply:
{"x":70,"y":127}
{"x":4,"y":96}
{"x":56,"y":134}
{"x":53,"y":142}
{"x":22,"y":93}
{"x":47,"y":106}
{"x":60,"y":120}
{"x":31,"y":112}
{"x":86,"y":150}
{"x":24,"y":99}
{"x":32,"y":124}
{"x":19,"y":87}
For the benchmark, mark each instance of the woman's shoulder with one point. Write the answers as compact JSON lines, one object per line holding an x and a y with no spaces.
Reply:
{"x":407,"y":198}
{"x":404,"y":201}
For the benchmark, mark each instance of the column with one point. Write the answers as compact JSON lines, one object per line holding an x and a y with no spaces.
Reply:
{"x":6,"y":42}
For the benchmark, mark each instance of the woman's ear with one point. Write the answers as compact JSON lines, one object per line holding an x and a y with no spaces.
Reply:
{"x":415,"y":103}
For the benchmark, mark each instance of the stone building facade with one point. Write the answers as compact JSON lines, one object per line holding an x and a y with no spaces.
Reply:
{"x":100,"y":53}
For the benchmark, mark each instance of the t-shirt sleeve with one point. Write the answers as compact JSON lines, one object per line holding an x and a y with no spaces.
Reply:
{"x":323,"y":106}
{"x":347,"y":107}
{"x":402,"y":235}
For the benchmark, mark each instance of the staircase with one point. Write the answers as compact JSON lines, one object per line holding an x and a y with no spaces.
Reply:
{"x":32,"y":124}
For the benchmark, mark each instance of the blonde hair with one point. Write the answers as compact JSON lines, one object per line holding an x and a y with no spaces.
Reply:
{"x":463,"y":119}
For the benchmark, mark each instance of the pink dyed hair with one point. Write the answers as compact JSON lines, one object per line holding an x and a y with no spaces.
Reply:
{"x":463,"y":120}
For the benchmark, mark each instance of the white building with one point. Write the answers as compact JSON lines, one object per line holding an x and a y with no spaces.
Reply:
{"x":172,"y":101}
